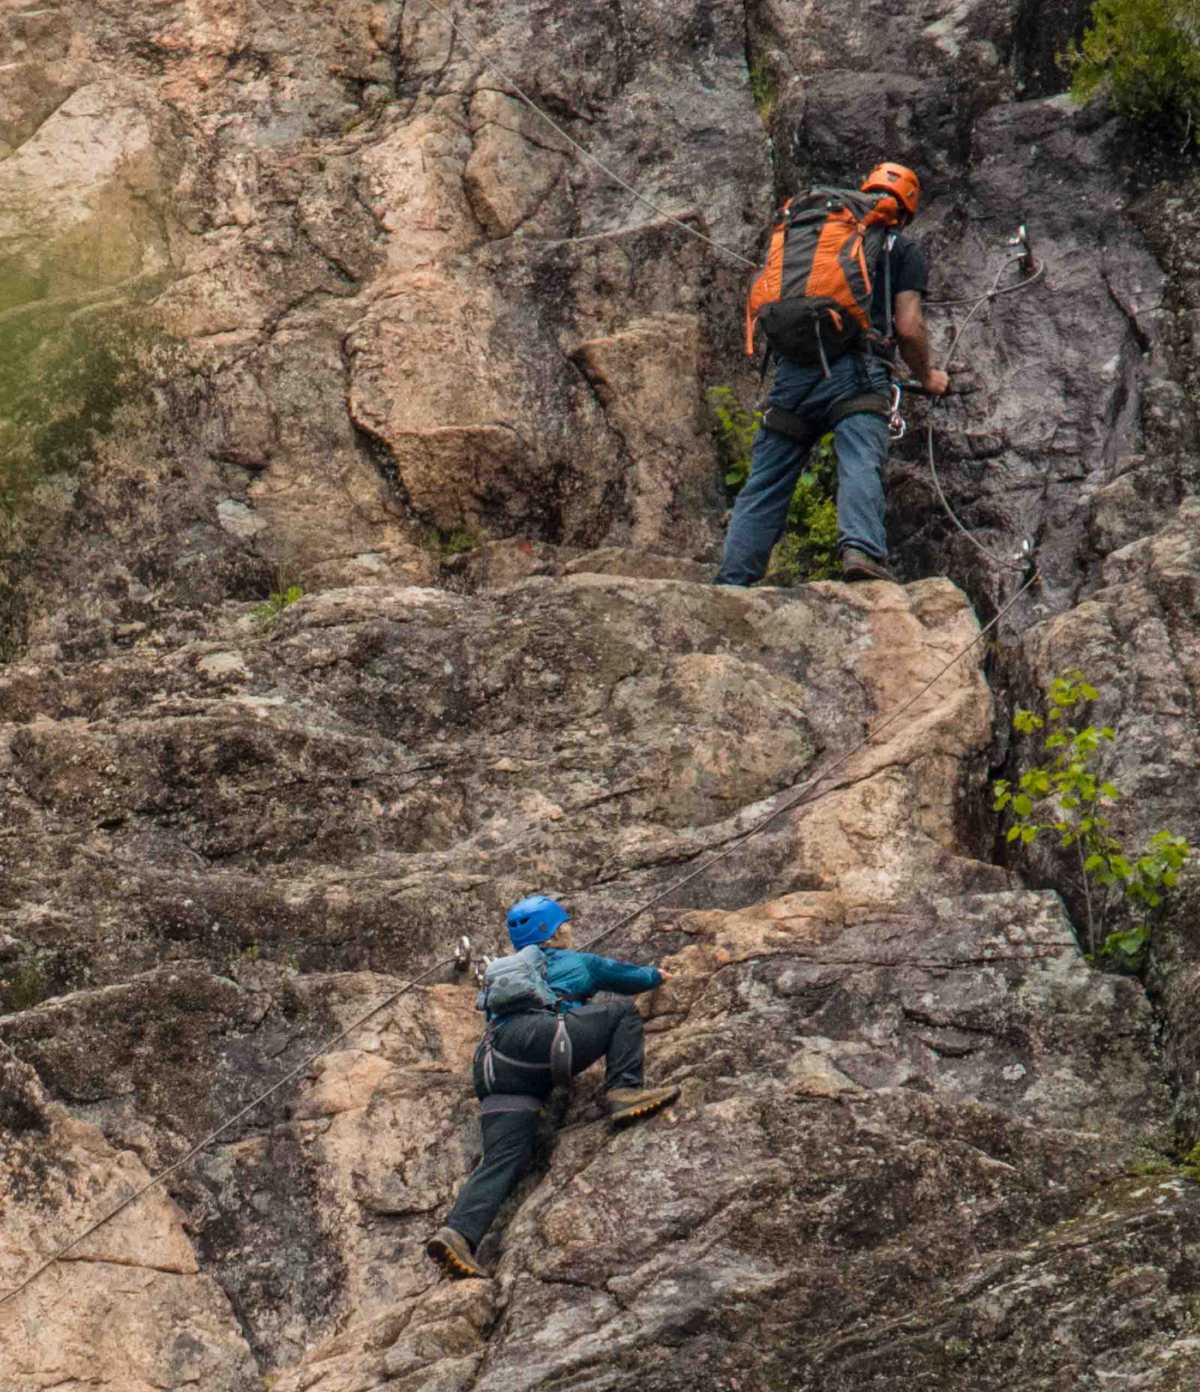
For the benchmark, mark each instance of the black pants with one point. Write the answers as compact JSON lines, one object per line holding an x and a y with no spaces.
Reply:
{"x":612,"y":1030}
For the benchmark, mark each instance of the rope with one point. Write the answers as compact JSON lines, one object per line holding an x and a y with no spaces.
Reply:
{"x":991,"y":294}
{"x":1019,"y":566}
{"x":977,"y":304}
{"x":212,"y":1135}
{"x":810,"y":785}
{"x":586,"y":154}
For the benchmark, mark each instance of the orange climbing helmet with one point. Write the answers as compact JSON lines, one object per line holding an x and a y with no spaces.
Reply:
{"x":896,"y":179}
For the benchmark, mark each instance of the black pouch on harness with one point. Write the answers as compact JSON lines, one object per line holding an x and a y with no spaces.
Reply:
{"x":811,"y":331}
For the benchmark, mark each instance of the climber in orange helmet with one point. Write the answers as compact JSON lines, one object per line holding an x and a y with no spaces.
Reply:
{"x":838,"y":381}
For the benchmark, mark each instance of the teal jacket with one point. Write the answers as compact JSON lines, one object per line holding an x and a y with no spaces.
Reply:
{"x":576,"y":976}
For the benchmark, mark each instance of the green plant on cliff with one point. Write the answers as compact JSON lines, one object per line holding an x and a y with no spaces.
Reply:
{"x":808,"y":548}
{"x":1146,"y":54}
{"x":26,"y":986}
{"x":63,"y":373}
{"x":763,"y":88}
{"x":456,"y":542}
{"x":275,"y":603}
{"x":1191,"y":1164}
{"x":1067,"y":795}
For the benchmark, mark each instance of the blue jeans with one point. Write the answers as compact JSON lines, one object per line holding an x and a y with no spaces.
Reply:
{"x":760,"y":512}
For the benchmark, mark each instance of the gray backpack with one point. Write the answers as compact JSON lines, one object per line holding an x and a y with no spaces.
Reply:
{"x":515,"y":983}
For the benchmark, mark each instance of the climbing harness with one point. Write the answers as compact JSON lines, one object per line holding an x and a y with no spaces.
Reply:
{"x":559,"y":1065}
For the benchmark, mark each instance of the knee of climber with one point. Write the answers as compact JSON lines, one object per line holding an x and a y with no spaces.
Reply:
{"x":624,"y":1010}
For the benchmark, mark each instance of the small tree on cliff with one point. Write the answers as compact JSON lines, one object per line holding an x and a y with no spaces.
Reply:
{"x":1067,"y":794}
{"x":1146,"y":54}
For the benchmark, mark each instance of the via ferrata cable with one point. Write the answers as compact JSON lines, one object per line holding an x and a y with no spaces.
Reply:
{"x":581,"y":150}
{"x":224,"y":1126}
{"x":1022,"y":563}
{"x":810,"y":785}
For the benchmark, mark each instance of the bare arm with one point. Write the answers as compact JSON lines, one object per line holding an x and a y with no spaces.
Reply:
{"x":913,"y":337}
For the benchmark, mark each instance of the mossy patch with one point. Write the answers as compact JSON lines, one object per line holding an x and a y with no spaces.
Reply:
{"x":39,"y":974}
{"x":63,"y":373}
{"x":446,"y":543}
{"x":66,"y":368}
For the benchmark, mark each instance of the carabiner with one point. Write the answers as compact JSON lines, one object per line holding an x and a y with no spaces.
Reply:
{"x":896,"y":423}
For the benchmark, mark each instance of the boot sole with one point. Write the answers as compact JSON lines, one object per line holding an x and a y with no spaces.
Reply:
{"x":446,"y":1256}
{"x":851,"y":577}
{"x":647,"y":1109}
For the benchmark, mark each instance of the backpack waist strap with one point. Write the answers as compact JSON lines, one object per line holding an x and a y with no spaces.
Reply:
{"x":500,"y":1102}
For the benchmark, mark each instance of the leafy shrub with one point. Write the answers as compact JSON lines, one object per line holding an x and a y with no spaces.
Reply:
{"x":808,"y":548}
{"x":1146,"y":53}
{"x":734,"y":429}
{"x":276,"y":602}
{"x":38,"y":973}
{"x":1069,"y":790}
{"x":26,"y":986}
{"x":456,"y":542}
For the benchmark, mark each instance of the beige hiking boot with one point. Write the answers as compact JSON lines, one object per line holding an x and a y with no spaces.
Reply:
{"x":451,"y":1250}
{"x":630,"y":1104}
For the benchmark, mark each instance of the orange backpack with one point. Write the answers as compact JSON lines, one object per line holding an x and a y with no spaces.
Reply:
{"x":813,"y":296}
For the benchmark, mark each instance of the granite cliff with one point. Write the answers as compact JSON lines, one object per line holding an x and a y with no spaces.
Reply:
{"x":302,"y":295}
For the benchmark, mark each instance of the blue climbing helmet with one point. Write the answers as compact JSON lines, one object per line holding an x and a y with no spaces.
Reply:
{"x":534,"y":919}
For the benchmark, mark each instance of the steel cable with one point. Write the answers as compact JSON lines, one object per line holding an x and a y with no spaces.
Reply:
{"x":586,"y":154}
{"x":225,"y":1125}
{"x":1020,"y":565}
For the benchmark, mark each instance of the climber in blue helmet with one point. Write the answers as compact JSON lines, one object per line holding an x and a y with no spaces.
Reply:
{"x":536,"y":997}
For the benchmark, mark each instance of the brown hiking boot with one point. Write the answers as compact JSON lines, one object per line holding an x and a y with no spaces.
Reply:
{"x":857,"y":565}
{"x":629,"y":1104}
{"x":452,"y":1250}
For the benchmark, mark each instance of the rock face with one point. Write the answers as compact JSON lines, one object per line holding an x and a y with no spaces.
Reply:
{"x":386,"y":306}
{"x":130,"y":1303}
{"x":895,"y":1063}
{"x":301,"y":300}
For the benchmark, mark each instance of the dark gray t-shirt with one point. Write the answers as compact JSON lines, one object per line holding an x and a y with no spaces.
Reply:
{"x":907,"y":273}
